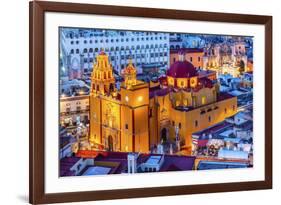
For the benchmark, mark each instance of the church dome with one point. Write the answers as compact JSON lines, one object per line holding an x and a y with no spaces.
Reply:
{"x":182,"y":69}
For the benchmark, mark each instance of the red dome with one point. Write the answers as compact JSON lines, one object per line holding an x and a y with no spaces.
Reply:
{"x":182,"y":69}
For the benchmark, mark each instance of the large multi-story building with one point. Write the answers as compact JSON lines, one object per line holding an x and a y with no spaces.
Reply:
{"x":141,"y":115}
{"x":80,"y":48}
{"x":73,"y":109}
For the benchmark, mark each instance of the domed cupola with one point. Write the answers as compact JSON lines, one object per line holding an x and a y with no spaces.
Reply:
{"x":182,"y":74}
{"x":130,"y":75}
{"x":182,"y":69}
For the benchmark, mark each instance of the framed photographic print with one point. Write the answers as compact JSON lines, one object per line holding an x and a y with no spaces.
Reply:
{"x":140,"y":102}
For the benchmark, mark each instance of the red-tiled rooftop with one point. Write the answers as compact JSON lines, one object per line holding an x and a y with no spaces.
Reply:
{"x":181,"y":162}
{"x":206,"y":82}
{"x":65,"y":165}
{"x":224,"y":96}
{"x":212,"y":129}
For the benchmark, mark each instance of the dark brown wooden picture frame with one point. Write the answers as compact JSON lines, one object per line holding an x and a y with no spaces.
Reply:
{"x":37,"y":11}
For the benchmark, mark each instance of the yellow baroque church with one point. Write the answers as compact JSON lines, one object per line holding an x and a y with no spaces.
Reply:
{"x":140,"y":115}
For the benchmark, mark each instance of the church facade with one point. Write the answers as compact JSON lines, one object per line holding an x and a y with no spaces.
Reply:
{"x":141,"y":115}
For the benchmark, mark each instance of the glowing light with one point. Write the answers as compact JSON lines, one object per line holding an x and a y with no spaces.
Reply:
{"x":140,"y":98}
{"x":63,"y":69}
{"x":126,"y":98}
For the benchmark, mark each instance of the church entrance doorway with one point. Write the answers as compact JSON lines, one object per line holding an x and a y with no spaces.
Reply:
{"x":164,"y":135}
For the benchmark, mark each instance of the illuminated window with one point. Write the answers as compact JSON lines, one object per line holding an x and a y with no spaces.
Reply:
{"x":182,"y":83}
{"x":140,"y":98}
{"x":203,"y":100}
{"x":126,"y":98}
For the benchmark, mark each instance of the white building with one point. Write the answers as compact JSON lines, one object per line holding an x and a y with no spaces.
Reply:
{"x":72,"y":108}
{"x":81,"y":47}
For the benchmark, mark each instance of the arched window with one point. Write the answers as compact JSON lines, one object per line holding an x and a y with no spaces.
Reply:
{"x":72,"y":51}
{"x":196,"y":123}
{"x":96,"y":49}
{"x":85,"y":50}
{"x":112,"y":49}
{"x":203,"y":100}
{"x":117,"y":48}
{"x":77,"y":50}
{"x":91,"y":50}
